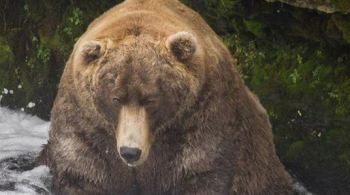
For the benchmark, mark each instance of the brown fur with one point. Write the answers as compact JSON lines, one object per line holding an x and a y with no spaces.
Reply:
{"x":208,"y":132}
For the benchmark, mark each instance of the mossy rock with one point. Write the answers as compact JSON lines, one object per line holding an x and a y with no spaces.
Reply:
{"x":328,"y":6}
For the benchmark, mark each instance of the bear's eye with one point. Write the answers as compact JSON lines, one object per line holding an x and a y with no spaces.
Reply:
{"x":117,"y":100}
{"x":149,"y":101}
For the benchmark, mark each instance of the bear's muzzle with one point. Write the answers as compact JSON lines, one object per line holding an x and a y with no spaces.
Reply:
{"x":133,"y":135}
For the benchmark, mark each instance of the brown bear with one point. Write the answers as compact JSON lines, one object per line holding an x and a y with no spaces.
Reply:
{"x":150,"y":102}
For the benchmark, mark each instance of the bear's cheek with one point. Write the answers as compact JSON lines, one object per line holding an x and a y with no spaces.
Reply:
{"x":163,"y":110}
{"x":105,"y":104}
{"x":157,"y":115}
{"x":103,"y":99}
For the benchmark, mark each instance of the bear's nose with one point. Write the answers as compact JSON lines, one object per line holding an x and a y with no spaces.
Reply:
{"x":130,"y":154}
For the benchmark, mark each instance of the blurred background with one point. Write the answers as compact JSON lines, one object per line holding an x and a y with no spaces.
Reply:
{"x":294,"y":54}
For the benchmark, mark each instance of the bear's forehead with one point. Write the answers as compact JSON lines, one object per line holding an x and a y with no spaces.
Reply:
{"x":133,"y":49}
{"x":137,"y":42}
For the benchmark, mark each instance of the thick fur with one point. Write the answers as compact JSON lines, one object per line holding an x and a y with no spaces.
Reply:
{"x":210,"y":135}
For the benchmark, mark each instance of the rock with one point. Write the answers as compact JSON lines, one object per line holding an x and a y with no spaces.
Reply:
{"x":328,"y":6}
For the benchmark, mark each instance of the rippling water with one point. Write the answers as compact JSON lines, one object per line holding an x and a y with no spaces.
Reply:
{"x":19,"y":175}
{"x":21,"y":138}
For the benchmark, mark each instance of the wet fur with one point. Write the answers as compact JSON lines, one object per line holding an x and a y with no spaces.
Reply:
{"x":219,"y":142}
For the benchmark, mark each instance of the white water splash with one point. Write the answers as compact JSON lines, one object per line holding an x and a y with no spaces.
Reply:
{"x":21,"y":138}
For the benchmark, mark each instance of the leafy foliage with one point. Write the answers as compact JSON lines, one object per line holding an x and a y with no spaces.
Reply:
{"x":36,"y":38}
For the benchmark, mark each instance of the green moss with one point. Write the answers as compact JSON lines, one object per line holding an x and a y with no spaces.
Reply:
{"x":295,"y":150}
{"x":304,"y":85}
{"x":342,"y":22}
{"x":345,"y":159}
{"x":40,"y":35}
{"x":51,"y":41}
{"x":255,"y":27}
{"x":343,"y":5}
{"x":6,"y":55}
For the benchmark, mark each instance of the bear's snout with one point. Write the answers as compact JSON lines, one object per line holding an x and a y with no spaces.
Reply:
{"x":130,"y":154}
{"x":133,"y":135}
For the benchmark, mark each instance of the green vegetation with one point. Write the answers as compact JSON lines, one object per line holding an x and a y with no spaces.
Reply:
{"x":296,"y":60}
{"x":36,"y":38}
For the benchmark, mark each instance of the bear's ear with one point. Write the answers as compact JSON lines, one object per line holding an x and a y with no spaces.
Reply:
{"x":91,"y":51}
{"x":182,"y":44}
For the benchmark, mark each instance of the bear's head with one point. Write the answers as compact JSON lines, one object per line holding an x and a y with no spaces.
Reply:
{"x":140,"y":84}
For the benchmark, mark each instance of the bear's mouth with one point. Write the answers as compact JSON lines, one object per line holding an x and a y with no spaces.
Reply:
{"x":133,"y":135}
{"x":131,"y":165}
